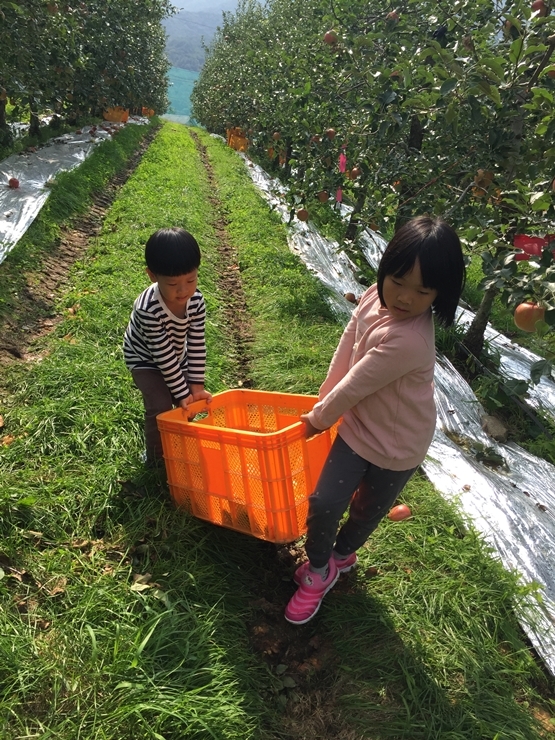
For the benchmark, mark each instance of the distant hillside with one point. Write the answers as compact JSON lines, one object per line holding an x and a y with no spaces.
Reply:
{"x":188,"y":29}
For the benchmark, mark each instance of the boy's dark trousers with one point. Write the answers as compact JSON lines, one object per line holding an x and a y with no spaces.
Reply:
{"x":347,"y":478}
{"x":157,"y":399}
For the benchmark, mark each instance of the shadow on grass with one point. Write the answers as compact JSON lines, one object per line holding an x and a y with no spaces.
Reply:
{"x":352,"y":672}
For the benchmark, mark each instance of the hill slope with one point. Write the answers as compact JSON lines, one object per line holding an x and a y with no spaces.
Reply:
{"x":188,"y":30}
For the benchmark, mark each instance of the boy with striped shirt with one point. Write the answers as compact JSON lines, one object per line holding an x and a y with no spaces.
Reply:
{"x":164,"y":344}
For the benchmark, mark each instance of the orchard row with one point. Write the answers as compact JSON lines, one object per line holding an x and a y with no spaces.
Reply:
{"x":81,"y":58}
{"x":422,"y":106}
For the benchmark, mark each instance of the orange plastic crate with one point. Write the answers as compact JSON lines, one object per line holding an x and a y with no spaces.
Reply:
{"x":245,"y":464}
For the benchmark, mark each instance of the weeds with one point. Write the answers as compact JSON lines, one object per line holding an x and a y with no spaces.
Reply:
{"x":122,"y":618}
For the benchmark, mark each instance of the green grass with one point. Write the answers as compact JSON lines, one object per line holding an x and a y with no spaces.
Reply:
{"x":425,"y":644}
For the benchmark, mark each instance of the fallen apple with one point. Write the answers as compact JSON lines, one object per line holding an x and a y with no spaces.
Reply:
{"x":323,"y":196}
{"x":527,"y":314}
{"x":302,"y":214}
{"x":13,"y":183}
{"x":351,"y":297}
{"x":330,"y":37}
{"x":400,"y":512}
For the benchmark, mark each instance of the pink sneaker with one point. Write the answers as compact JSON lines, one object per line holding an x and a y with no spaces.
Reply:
{"x":343,"y":566}
{"x":306,"y":600}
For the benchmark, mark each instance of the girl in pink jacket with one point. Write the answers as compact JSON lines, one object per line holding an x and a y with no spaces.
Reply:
{"x":380,"y":382}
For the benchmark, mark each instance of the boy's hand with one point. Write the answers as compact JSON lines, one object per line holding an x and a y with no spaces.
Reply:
{"x":310,"y":430}
{"x":202,"y":394}
{"x":184,"y":402}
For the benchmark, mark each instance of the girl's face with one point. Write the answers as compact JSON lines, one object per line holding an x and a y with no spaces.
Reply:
{"x":405,"y":297}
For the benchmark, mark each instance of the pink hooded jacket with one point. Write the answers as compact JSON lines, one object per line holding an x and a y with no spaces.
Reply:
{"x":381,"y":381}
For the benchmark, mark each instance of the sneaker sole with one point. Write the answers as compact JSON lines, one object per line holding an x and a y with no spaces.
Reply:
{"x":315,"y":612}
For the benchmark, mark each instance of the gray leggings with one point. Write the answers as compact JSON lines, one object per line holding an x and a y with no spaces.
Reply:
{"x":345,"y":473}
{"x":156,"y":398}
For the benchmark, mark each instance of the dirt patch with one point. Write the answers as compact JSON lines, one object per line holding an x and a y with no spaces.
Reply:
{"x":33,"y":313}
{"x":236,"y":314}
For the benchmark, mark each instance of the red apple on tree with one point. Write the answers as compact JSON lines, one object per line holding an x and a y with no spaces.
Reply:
{"x":330,"y":133}
{"x":539,"y":6}
{"x":302,"y":214}
{"x":393,"y":16}
{"x":330,"y":37}
{"x":13,"y":183}
{"x":527,"y":314}
{"x":276,"y":136}
{"x":323,"y":196}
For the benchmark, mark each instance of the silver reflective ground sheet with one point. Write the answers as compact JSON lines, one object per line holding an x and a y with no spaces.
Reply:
{"x":35,"y":170}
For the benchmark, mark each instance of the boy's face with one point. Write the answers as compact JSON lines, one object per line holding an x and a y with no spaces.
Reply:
{"x":177,"y":290}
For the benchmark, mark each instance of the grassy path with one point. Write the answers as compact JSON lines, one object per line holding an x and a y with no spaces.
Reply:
{"x":421,"y":643}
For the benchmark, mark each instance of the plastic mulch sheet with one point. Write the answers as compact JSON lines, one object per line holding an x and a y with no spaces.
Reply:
{"x":34,"y":170}
{"x":505,"y":492}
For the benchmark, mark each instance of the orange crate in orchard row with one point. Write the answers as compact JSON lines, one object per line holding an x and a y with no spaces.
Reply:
{"x":243,"y":462}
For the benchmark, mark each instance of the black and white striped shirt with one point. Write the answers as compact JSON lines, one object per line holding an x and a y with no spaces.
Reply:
{"x":156,"y":339}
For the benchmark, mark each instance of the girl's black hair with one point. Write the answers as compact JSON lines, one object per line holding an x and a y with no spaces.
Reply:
{"x":437,"y":248}
{"x":172,"y":252}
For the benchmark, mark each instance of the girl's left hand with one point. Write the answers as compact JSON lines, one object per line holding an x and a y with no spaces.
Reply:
{"x":310,"y":430}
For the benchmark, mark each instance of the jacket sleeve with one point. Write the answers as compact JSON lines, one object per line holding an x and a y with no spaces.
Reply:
{"x":339,"y":366}
{"x":397,"y":355}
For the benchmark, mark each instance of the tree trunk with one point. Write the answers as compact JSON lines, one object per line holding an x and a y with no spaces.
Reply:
{"x":474,"y":338}
{"x":34,"y":123}
{"x":351,"y":232}
{"x":406,"y":191}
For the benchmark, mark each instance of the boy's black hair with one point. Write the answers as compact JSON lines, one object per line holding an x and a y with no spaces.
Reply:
{"x":172,"y":252}
{"x":437,"y":248}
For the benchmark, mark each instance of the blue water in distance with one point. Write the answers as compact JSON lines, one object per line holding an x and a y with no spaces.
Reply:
{"x":179,"y":92}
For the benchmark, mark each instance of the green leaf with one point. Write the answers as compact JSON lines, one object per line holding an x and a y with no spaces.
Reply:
{"x":451,"y":113}
{"x":540,"y":201}
{"x":496,"y":64}
{"x":289,"y":682}
{"x":515,"y":21}
{"x":515,"y":51}
{"x":515,"y":387}
{"x":541,"y":367}
{"x":448,"y":86}
{"x":541,"y":92}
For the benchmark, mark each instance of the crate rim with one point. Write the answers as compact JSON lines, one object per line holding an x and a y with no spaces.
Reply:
{"x":203,"y":406}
